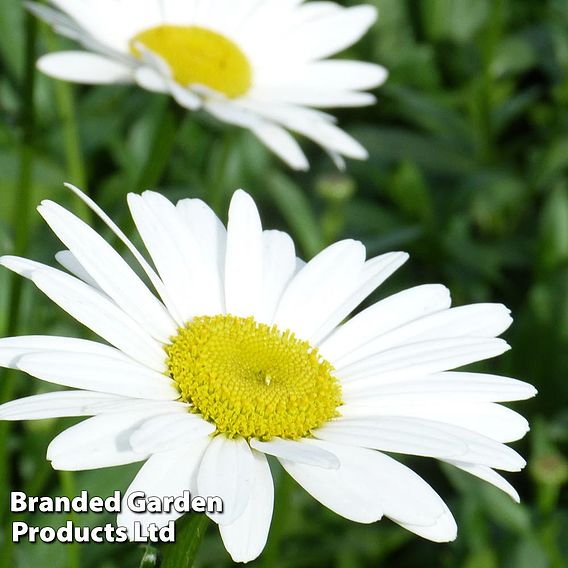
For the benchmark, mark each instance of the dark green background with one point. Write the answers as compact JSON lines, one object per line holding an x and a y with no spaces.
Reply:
{"x":468,"y":171}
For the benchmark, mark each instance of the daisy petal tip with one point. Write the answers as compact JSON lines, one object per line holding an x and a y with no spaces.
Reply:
{"x":361,"y":153}
{"x":445,"y":529}
{"x":382,"y":76}
{"x":302,"y":166}
{"x":72,"y":188}
{"x":242,"y":195}
{"x":367,"y":12}
{"x":11,"y":262}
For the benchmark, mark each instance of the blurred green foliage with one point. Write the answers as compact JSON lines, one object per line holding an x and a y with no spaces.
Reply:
{"x":468,"y":171}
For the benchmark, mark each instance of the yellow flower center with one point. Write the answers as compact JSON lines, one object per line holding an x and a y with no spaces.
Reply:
{"x":250,"y":379}
{"x":198,"y":56}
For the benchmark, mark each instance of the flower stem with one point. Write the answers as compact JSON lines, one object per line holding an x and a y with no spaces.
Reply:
{"x":272,"y":552}
{"x":190,"y":530}
{"x":75,"y":165}
{"x":67,"y":480}
{"x":21,"y":224}
{"x":168,"y":121}
{"x":217,"y":190}
{"x":160,"y":150}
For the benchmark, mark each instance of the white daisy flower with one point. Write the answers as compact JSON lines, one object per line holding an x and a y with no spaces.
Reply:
{"x":243,"y":352}
{"x":259,"y":64}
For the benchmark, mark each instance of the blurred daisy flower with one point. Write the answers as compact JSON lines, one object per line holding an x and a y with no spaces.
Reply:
{"x":257,"y":64}
{"x":244,"y":351}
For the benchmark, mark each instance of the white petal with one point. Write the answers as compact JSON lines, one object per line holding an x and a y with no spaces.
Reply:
{"x":93,"y":309}
{"x":279,"y":268}
{"x":449,"y":386}
{"x":297,"y":451}
{"x":373,"y":274}
{"x":319,"y":287}
{"x":185,"y":97}
{"x":283,"y":144}
{"x":444,"y":529}
{"x":392,"y":434}
{"x":409,"y":435}
{"x":101,"y":441}
{"x":382,"y":482}
{"x":246,"y":537}
{"x":352,"y":491}
{"x":488,"y":419}
{"x":167,"y":474}
{"x":12,"y":348}
{"x":312,"y":124}
{"x":425,"y":358}
{"x":109,"y":270}
{"x":61,"y":23}
{"x":56,"y":405}
{"x":151,"y":80}
{"x":487,"y":474}
{"x":234,"y":114}
{"x":91,"y":18}
{"x":176,"y":254}
{"x":341,"y":75}
{"x":388,"y":314}
{"x":70,"y":263}
{"x":95,"y":372}
{"x":227,"y":471}
{"x":148,"y":270}
{"x":298,"y":94}
{"x":332,"y":32}
{"x":83,"y":67}
{"x":476,"y":320}
{"x":210,"y":235}
{"x":244,"y":262}
{"x":151,"y":407}
{"x":169,"y":431}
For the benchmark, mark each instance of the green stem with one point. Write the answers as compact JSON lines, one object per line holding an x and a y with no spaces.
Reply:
{"x":163,"y":142}
{"x":21,"y":224}
{"x":190,"y":530}
{"x":217,"y":190}
{"x":164,"y":136}
{"x":151,"y":558}
{"x":271,"y":553}
{"x":67,"y":480}
{"x":489,"y":149}
{"x":66,"y":107}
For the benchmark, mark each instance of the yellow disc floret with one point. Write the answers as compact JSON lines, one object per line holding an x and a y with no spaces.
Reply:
{"x":252,"y":380}
{"x":198,"y":56}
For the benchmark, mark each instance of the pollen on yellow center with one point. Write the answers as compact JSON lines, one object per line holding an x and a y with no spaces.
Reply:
{"x":252,"y":380}
{"x":198,"y":56}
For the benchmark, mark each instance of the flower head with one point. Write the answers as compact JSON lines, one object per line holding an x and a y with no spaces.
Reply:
{"x":259,"y":65}
{"x":242,"y":350}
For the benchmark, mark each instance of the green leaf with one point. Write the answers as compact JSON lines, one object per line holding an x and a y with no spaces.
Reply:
{"x":515,"y":55}
{"x":190,"y":530}
{"x":455,"y":20}
{"x":554,"y":229}
{"x":151,"y":558}
{"x":410,"y":192}
{"x":483,"y":558}
{"x":429,"y":152}
{"x":298,"y":212}
{"x":529,"y":554}
{"x":435,"y":115}
{"x":504,"y":511}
